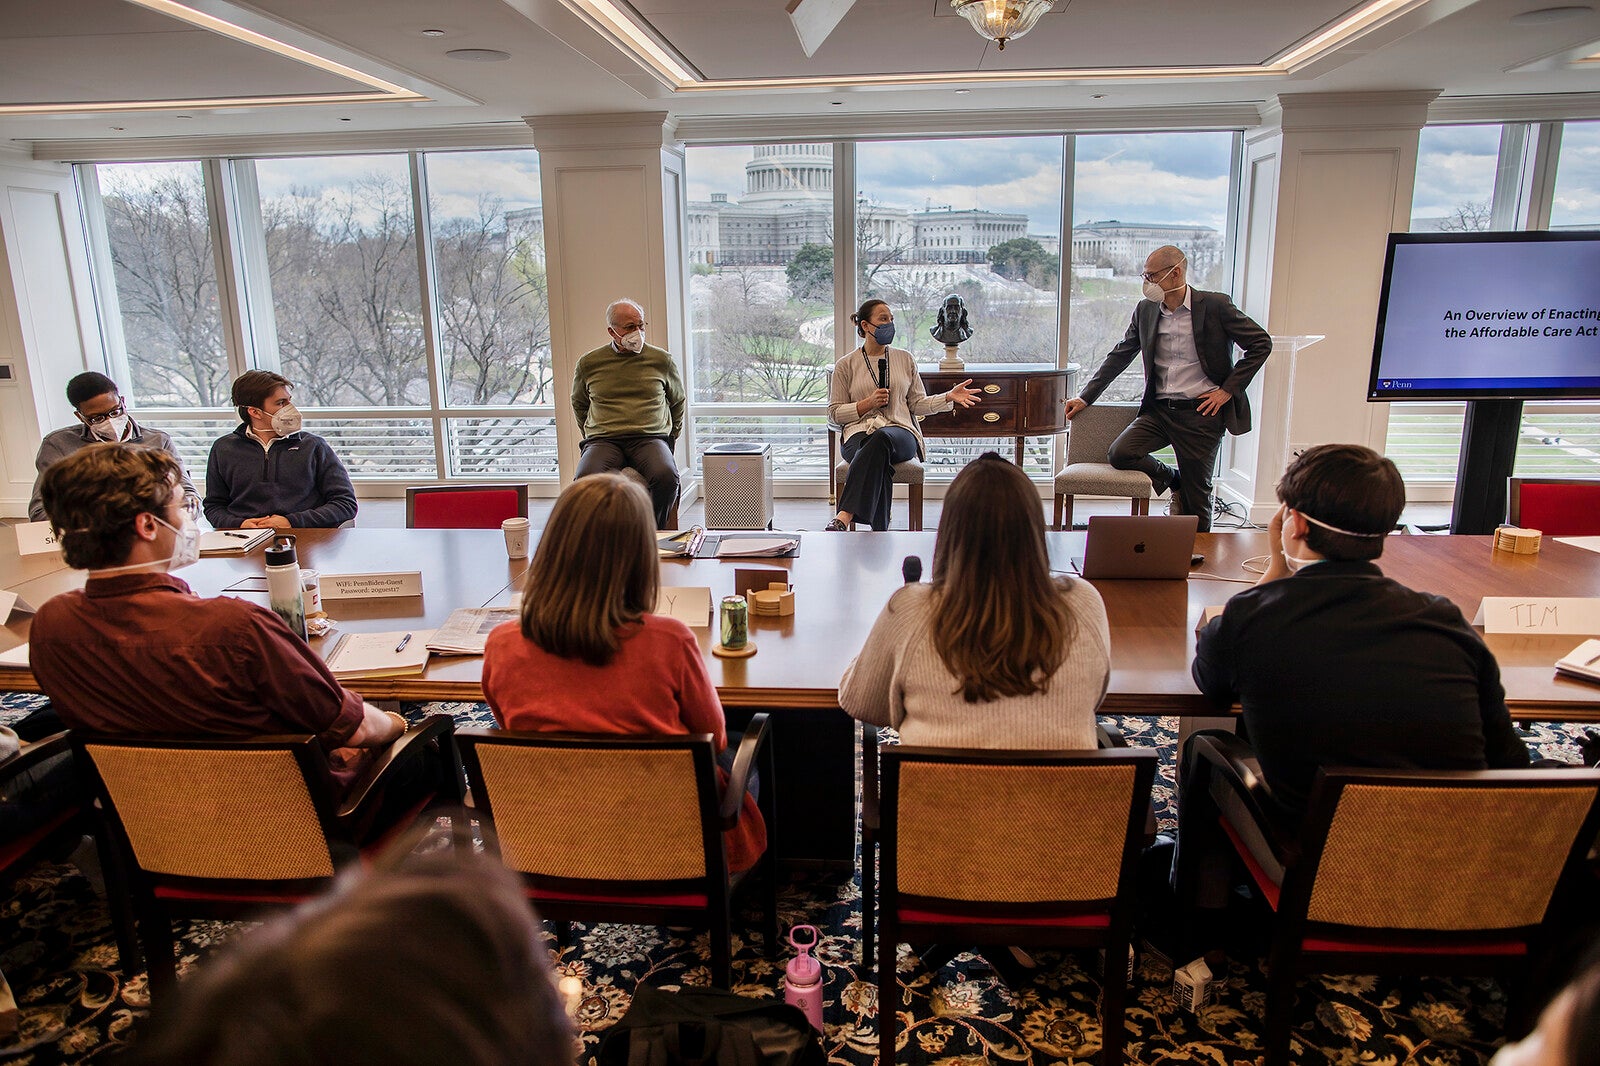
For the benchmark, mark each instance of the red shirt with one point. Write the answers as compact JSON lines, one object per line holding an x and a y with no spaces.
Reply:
{"x":656,"y":684}
{"x":141,"y":655}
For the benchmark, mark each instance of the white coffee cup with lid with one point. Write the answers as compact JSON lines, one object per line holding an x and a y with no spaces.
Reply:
{"x":516,"y":531}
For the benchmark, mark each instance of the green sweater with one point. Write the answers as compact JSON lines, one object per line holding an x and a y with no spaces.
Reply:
{"x":619,"y":394}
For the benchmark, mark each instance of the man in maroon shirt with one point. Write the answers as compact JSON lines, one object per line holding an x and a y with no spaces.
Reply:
{"x":137,"y":653}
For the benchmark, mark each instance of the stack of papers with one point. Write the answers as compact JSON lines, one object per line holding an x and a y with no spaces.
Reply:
{"x":232,"y":541}
{"x":1582,"y":661}
{"x":367,"y":655}
{"x":758,"y":547}
{"x":466,"y":631}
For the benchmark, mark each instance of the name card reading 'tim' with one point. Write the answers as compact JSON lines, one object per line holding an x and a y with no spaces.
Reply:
{"x":1569,"y":615}
{"x":371,"y":586}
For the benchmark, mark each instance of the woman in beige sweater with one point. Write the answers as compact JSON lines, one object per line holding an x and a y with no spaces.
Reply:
{"x":994,"y":652}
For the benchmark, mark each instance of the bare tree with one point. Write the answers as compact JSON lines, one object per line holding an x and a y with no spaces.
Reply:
{"x":1471,"y":216}
{"x":166,"y":283}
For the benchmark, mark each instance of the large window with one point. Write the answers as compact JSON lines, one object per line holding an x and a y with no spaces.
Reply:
{"x":163,"y":297}
{"x":331,"y":293}
{"x":342,"y":260}
{"x":1454,"y":187}
{"x":1131,"y":194}
{"x":978,"y":217}
{"x":1577,"y":193}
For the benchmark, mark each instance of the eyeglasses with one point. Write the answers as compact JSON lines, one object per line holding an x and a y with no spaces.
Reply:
{"x":629,"y":327}
{"x":191,"y":507}
{"x":1152,"y":275}
{"x":95,"y":420}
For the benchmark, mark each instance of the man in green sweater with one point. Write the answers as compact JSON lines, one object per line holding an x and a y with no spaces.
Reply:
{"x":629,"y":400}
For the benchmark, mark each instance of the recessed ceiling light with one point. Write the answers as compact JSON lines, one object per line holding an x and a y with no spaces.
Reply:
{"x":1097,"y":96}
{"x":183,"y":116}
{"x":962,"y":92}
{"x":478,"y":55}
{"x":1550,"y":14}
{"x":433,"y":33}
{"x":344,"y":120}
{"x":836,"y":103}
{"x":116,"y":129}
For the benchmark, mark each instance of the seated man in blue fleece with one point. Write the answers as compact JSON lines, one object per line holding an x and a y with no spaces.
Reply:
{"x":270,"y":472}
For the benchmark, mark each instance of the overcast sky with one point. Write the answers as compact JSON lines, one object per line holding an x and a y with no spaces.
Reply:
{"x":1164,"y":178}
{"x":1179,"y":178}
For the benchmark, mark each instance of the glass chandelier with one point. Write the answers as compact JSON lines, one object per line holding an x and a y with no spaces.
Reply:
{"x":1002,"y":20}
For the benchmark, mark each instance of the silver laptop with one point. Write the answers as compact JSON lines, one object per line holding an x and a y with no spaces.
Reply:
{"x":1139,"y":546}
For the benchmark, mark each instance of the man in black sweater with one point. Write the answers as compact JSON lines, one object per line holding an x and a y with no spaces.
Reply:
{"x":1334,"y":664}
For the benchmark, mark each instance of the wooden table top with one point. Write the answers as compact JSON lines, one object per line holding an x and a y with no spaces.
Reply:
{"x":842,"y":580}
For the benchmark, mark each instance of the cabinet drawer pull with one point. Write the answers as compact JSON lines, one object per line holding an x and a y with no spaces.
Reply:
{"x":991,"y":389}
{"x":991,"y":416}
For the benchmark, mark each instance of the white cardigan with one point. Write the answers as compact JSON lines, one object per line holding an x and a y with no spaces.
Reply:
{"x":855,"y":377}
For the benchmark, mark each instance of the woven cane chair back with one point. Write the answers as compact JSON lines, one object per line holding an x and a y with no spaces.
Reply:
{"x":999,"y":832}
{"x":215,"y":812}
{"x":598,"y":813}
{"x":1438,"y":858}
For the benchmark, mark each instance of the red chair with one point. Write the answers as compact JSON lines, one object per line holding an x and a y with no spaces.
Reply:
{"x":1556,"y":506}
{"x":464,"y":506}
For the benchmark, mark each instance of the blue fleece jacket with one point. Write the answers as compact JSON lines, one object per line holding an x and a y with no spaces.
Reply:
{"x":299,"y":477}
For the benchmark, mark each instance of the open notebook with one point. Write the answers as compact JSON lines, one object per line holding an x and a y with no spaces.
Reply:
{"x":233,"y":541}
{"x":401,"y":653}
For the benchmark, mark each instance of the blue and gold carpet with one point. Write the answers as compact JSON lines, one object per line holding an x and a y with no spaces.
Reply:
{"x":57,"y":951}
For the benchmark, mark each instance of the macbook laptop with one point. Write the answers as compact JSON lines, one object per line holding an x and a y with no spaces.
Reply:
{"x":1138,"y":546}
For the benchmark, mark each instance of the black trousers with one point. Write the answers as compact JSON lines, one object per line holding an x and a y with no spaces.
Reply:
{"x":869,"y":487}
{"x":1195,"y":439}
{"x":649,"y":455}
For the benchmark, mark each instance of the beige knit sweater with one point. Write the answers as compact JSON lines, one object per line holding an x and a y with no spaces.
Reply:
{"x":899,"y":680}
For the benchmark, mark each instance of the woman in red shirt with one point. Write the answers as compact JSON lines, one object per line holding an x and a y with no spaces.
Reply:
{"x":589,"y":657}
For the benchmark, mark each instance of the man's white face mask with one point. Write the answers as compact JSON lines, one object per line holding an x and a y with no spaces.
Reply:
{"x":632,"y":341}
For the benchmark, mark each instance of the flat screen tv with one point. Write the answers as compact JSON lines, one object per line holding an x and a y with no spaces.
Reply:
{"x":1476,"y":316}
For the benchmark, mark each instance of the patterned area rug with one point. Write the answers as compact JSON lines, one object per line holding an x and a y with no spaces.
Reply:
{"x":57,"y":951}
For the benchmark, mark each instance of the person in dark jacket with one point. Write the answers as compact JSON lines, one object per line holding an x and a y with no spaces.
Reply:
{"x":269,"y":471}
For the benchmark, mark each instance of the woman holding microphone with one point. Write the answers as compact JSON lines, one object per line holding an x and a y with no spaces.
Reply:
{"x":876,"y":398}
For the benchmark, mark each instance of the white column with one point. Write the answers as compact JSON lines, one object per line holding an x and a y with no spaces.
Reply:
{"x":1326,"y":178}
{"x":614,"y":206}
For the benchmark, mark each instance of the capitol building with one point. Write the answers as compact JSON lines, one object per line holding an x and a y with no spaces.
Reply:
{"x":788,"y":202}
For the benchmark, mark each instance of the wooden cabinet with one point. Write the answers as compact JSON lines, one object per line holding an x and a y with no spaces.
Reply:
{"x":1018,"y":400}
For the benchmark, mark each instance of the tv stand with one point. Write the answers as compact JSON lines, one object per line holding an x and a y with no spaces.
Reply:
{"x":1488,"y":454}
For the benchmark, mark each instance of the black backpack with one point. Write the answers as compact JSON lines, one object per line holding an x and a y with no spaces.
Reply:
{"x":709,"y":1027}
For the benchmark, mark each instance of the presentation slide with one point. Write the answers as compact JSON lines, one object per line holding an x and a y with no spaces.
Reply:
{"x":1507,"y":318}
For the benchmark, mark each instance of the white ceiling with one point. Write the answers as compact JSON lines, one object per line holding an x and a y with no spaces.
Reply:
{"x":72,"y":51}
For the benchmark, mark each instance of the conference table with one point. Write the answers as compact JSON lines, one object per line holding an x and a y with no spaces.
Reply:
{"x":840,"y":581}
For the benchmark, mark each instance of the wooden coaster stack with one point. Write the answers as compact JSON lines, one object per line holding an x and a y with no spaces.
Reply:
{"x":1517,"y":541}
{"x":773,"y":601}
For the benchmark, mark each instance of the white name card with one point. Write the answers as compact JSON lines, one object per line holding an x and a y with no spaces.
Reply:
{"x":371,"y":586}
{"x":36,"y":538}
{"x":1569,"y":615}
{"x":689,"y":604}
{"x":10,"y":601}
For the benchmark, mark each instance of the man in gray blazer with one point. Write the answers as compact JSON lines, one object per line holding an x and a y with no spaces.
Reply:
{"x":1193,"y":389}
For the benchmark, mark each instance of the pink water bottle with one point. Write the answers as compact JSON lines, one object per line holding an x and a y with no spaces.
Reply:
{"x":802,"y":979}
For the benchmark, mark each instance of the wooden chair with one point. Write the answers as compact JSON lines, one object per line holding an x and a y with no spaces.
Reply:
{"x":1088,"y":473}
{"x":638,"y":479}
{"x":1039,"y":850}
{"x":220,"y":828}
{"x":1408,"y":872}
{"x":1556,"y":506}
{"x":624,"y":829}
{"x":909,"y":473}
{"x":464,"y":506}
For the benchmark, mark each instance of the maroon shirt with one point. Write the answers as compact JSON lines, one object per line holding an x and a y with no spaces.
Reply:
{"x":141,"y":655}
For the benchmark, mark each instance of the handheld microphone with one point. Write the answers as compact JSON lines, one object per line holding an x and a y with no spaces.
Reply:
{"x":911,"y":569}
{"x":883,"y":372}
